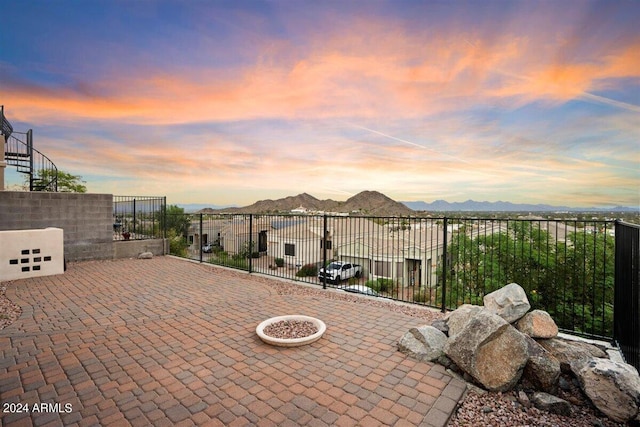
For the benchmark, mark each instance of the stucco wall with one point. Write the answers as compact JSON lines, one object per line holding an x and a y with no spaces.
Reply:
{"x":30,"y":253}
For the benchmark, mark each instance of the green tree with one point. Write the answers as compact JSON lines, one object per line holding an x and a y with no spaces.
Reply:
{"x":67,"y":183}
{"x":573,"y":279}
{"x":589,"y":270}
{"x":175,"y":219}
{"x":176,"y":224}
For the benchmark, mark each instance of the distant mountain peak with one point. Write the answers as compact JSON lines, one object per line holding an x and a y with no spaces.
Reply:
{"x":364,"y":203}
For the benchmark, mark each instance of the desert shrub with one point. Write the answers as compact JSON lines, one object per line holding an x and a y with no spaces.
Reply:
{"x":421,"y":296}
{"x":234,"y":261}
{"x":279,"y":262}
{"x":307,"y":270}
{"x":381,"y":284}
{"x":177,"y":244}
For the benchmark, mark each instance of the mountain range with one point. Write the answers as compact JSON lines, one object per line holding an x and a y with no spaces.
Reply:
{"x":365,"y":203}
{"x":473,"y":206}
{"x":377,"y":204}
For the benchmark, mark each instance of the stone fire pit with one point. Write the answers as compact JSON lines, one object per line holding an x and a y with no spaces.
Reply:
{"x":291,"y":330}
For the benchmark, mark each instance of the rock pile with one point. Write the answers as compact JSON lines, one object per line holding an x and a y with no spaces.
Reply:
{"x":502,"y":345}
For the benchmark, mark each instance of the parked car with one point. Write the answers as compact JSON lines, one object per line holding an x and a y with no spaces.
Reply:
{"x":360,"y":289}
{"x":208,"y":248}
{"x":338,"y":271}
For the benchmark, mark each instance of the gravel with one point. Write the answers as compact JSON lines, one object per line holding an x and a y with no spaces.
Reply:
{"x":290,"y":329}
{"x":9,"y":312}
{"x":505,"y":409}
{"x":425,"y":313}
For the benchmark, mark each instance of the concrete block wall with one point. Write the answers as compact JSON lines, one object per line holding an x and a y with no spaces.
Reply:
{"x":133,"y":248}
{"x":87,"y":219}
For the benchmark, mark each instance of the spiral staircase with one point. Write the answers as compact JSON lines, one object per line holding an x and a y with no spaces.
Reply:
{"x":19,"y":152}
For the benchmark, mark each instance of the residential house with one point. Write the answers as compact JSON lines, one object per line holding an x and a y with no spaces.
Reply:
{"x":231,"y":233}
{"x":408,"y":256}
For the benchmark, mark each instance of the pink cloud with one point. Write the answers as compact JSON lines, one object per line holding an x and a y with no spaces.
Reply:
{"x":360,"y":71}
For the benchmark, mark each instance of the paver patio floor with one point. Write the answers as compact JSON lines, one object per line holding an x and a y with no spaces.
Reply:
{"x":168,"y":342}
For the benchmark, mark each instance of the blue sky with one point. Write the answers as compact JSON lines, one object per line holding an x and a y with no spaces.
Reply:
{"x":232,"y":102}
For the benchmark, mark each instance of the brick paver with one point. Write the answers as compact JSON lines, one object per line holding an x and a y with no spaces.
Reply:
{"x":169,"y":342}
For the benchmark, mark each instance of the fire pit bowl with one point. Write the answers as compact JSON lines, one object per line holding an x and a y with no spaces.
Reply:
{"x":291,"y":342}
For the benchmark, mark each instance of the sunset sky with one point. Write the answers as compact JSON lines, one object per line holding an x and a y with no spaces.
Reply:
{"x":227,"y":102}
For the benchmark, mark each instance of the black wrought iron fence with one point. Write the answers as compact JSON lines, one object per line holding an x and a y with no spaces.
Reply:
{"x":626,"y":332}
{"x":138,"y":217}
{"x":566,"y":267}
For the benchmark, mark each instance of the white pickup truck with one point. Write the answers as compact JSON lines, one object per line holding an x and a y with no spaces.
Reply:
{"x":338,"y":271}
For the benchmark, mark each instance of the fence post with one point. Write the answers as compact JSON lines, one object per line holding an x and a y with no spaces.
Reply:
{"x":324,"y":250}
{"x":30,"y":153}
{"x":250,"y":242}
{"x":164,"y":216}
{"x":134,"y":218}
{"x":445,"y":257}
{"x":618,"y":290}
{"x":626,"y":325}
{"x":200,"y":242}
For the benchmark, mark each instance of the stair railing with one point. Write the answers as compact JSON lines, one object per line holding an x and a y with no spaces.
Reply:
{"x":19,"y":152}
{"x":43,"y":173}
{"x":5,"y":127}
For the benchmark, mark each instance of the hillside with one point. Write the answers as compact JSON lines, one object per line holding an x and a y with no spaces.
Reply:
{"x":287,"y":204}
{"x":364,"y":203}
{"x":375,"y":203}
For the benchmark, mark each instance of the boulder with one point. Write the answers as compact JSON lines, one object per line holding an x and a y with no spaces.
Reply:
{"x":613,"y":387}
{"x":571,"y":353}
{"x":537,"y":324}
{"x":459,"y":317}
{"x":550,"y":403}
{"x":542,"y":369}
{"x":490,"y":350}
{"x":523,"y":399}
{"x":425,"y":343}
{"x":509,"y":302}
{"x":441,"y":325}
{"x":145,"y":255}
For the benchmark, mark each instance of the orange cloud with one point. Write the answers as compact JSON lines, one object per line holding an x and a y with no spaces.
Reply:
{"x":371,"y":104}
{"x":355,"y":72}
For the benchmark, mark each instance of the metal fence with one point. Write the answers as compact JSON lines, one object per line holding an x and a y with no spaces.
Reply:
{"x":566,"y":267}
{"x":138,"y":217}
{"x":627,"y":292}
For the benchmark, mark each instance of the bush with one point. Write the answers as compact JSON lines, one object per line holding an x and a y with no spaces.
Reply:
{"x":235,"y":261}
{"x":279,"y":262}
{"x":420,"y":296}
{"x":255,"y":254}
{"x":381,"y":284}
{"x":307,"y":270}
{"x":177,"y":244}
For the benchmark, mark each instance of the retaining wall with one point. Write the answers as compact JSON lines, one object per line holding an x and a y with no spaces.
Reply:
{"x":87,"y":221}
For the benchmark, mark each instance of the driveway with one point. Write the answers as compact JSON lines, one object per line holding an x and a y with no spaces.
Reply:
{"x":168,"y":342}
